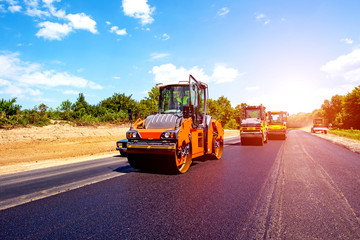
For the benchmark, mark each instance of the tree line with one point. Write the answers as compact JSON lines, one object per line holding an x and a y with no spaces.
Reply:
{"x":110,"y":110}
{"x":340,"y":111}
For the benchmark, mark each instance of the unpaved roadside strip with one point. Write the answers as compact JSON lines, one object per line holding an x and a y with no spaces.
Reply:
{"x":351,"y":144}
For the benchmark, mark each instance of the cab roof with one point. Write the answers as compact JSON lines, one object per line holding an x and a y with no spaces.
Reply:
{"x":277,"y":112}
{"x":180,"y":84}
{"x":255,"y":107}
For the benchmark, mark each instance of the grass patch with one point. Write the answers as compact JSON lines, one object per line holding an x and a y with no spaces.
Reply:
{"x":348,"y":133}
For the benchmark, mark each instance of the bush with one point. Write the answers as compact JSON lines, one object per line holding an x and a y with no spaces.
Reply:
{"x":232,"y":124}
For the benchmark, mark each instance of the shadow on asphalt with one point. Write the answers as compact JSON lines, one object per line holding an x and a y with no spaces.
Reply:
{"x":251,"y":142}
{"x":159,"y":169}
{"x":118,"y":156}
{"x":276,"y":137}
{"x":233,"y":144}
{"x":124,"y":169}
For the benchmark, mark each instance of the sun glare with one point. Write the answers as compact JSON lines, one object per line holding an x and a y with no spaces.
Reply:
{"x":296,"y":97}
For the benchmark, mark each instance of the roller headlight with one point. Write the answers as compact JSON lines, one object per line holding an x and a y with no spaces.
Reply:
{"x":132,"y":134}
{"x":169,"y":135}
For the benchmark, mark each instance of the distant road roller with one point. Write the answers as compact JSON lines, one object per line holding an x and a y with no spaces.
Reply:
{"x":253,"y":125}
{"x":180,"y":131}
{"x":277,"y":123}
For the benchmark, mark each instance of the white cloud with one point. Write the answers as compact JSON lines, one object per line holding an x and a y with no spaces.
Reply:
{"x":262,"y":18}
{"x":115,"y":29}
{"x":32,"y":3}
{"x":82,"y":21}
{"x":46,"y":11}
{"x":49,"y":2}
{"x":347,"y":40}
{"x":223,"y":74}
{"x":51,"y":78}
{"x":139,"y":9}
{"x":165,"y":37}
{"x":53,"y":31}
{"x":4,"y":82}
{"x":14,"y":8}
{"x":223,"y":11}
{"x":34,"y":12}
{"x":116,"y":77}
{"x":155,"y":56}
{"x":17,"y":77}
{"x":169,"y":73}
{"x":7,"y":87}
{"x":71,"y":92}
{"x":58,"y":13}
{"x":346,"y":66}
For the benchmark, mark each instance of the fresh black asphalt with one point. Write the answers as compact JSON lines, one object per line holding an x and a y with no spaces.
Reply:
{"x":248,"y":194}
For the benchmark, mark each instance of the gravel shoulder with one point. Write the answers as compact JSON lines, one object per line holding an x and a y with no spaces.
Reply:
{"x":351,"y":144}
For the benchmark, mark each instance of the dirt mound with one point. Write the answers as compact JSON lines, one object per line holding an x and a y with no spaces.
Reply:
{"x":27,"y":148}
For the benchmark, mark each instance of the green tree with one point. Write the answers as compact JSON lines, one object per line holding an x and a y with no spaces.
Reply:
{"x":9,"y":112}
{"x":221,"y":109}
{"x":237,"y":112}
{"x":66,"y":107}
{"x":232,"y":124}
{"x":118,"y":102}
{"x":150,"y":104}
{"x":42,"y":109}
{"x":81,"y":107}
{"x":8,"y":107}
{"x":332,"y":109}
{"x":352,"y":109}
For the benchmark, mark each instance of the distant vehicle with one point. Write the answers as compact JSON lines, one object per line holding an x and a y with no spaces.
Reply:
{"x":277,"y":123}
{"x":254,"y":125}
{"x":121,"y":146}
{"x":180,"y":131}
{"x":319,"y":126}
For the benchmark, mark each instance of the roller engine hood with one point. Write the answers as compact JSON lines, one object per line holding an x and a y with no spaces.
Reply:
{"x":251,"y":122}
{"x":162,"y":121}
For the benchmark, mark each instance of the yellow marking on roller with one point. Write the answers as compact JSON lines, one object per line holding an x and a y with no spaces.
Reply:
{"x":154,"y":147}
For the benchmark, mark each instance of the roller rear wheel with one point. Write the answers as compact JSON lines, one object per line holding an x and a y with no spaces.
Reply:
{"x":218,"y":148}
{"x":183,"y":158}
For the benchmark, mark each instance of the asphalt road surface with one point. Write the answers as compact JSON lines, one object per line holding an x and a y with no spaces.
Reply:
{"x":301,"y":188}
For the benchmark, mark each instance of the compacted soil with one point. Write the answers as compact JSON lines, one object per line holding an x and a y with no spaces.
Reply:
{"x":35,"y":147}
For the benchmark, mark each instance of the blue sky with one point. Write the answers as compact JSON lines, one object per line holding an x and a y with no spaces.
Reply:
{"x":287,"y":55}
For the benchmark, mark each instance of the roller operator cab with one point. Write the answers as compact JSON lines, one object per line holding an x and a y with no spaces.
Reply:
{"x":277,"y":124}
{"x":253,"y":127}
{"x":180,"y":131}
